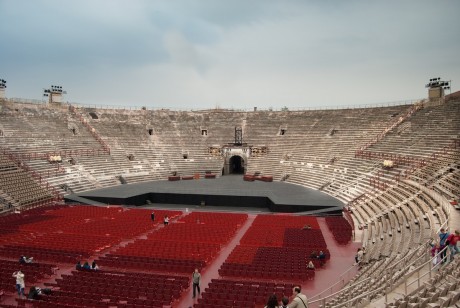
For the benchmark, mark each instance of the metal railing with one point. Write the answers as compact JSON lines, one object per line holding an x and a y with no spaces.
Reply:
{"x":409,"y":112}
{"x":340,"y":283}
{"x":57,"y":196}
{"x":439,"y":260}
{"x":219,"y":109}
{"x":91,"y":129}
{"x":401,"y":266}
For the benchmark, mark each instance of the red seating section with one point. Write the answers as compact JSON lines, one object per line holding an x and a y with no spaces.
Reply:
{"x":191,"y":242}
{"x":274,"y":247}
{"x":116,"y":289}
{"x":252,"y":178}
{"x":32,"y":273}
{"x":234,"y":293}
{"x":70,"y":234}
{"x":277,"y":246}
{"x":340,"y":228}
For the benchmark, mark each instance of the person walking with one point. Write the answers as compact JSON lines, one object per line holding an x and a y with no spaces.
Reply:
{"x":196,"y":278}
{"x":452,"y":240}
{"x":443,"y":235}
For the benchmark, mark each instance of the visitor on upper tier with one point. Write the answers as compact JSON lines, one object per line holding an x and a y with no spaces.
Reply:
{"x":152,"y":216}
{"x":359,"y":256}
{"x":452,"y":242}
{"x":94,"y":266}
{"x":272,"y":302}
{"x":166,"y":220}
{"x":299,"y":300}
{"x":443,"y":235}
{"x":306,"y":227}
{"x":435,"y":250}
{"x":78,"y":266}
{"x":86,"y":266}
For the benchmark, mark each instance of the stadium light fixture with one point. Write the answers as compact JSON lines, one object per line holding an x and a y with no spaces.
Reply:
{"x":2,"y":84}
{"x":53,"y":92}
{"x":438,"y":83}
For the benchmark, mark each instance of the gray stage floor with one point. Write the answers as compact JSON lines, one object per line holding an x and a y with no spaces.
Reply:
{"x":278,"y":192}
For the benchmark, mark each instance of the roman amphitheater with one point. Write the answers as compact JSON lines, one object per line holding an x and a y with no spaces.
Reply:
{"x":251,"y":196}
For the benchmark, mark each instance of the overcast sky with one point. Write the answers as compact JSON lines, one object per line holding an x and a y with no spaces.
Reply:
{"x":238,"y":53}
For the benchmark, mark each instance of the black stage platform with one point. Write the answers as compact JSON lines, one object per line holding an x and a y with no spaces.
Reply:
{"x":230,"y":191}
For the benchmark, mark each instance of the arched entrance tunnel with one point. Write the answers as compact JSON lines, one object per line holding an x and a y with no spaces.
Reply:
{"x":236,"y":165}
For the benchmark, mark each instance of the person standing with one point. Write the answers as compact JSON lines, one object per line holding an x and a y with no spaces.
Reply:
{"x":322,"y":258}
{"x":196,"y":278}
{"x":299,"y":300}
{"x":443,"y":235}
{"x":166,"y":220}
{"x":152,"y":216}
{"x":359,"y":256}
{"x":434,"y":252}
{"x":20,"y":284}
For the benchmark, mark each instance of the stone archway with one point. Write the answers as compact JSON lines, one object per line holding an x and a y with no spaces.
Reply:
{"x":235,"y":164}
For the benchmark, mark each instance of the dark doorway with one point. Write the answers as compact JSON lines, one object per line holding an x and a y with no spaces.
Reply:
{"x":236,"y":165}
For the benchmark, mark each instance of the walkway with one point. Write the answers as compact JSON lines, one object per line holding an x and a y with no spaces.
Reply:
{"x":211,"y":271}
{"x":342,"y":259}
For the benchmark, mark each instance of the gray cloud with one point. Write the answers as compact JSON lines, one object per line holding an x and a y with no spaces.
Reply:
{"x":196,"y":54}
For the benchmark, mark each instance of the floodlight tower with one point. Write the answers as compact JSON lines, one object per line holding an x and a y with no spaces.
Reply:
{"x":436,"y":88}
{"x":54,"y":94}
{"x":2,"y":88}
